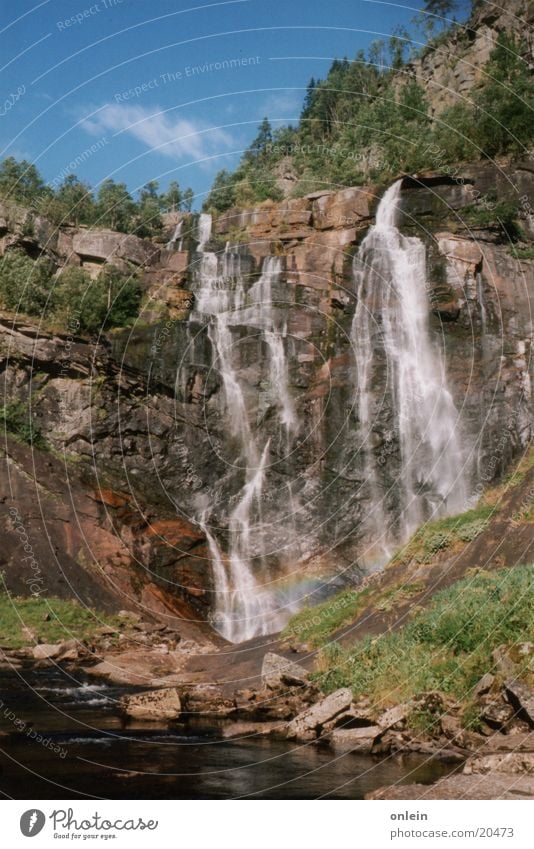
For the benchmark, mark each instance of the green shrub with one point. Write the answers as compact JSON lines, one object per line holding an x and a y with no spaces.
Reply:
{"x":315,"y":624}
{"x":17,"y":420}
{"x":26,"y":285}
{"x":489,"y":213}
{"x":441,"y":534}
{"x":505,"y":101}
{"x":112,"y":300}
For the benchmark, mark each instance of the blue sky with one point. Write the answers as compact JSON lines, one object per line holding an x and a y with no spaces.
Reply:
{"x":125,"y":87}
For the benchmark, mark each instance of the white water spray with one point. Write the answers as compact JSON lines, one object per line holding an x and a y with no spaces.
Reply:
{"x":391,"y":331}
{"x":176,"y":240}
{"x":245,"y":604}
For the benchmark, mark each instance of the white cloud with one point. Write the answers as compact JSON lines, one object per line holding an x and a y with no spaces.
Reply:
{"x":178,"y":138}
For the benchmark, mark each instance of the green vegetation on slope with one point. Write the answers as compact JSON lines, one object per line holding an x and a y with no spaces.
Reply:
{"x":367,"y":122}
{"x":74,"y":202}
{"x":447,"y":647}
{"x":16,"y":419}
{"x":51,"y":620}
{"x":72,"y":299}
{"x":111,"y":300}
{"x":522,"y":253}
{"x":25,"y":284}
{"x":444,"y":533}
{"x":315,"y":625}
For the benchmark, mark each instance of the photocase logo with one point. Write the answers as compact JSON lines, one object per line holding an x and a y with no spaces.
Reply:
{"x":32,"y":822}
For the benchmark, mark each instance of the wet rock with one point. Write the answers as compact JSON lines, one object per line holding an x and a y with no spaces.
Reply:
{"x":515,"y":763}
{"x":9,"y":660}
{"x":206,"y":699}
{"x":360,"y":740}
{"x":251,"y":729}
{"x":154,"y":704}
{"x":306,"y":724}
{"x":277,"y":670}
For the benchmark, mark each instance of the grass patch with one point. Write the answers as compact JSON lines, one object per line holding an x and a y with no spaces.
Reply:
{"x":441,"y":534}
{"x":52,"y":620}
{"x":392,"y":598}
{"x":446,"y":647}
{"x":315,"y":624}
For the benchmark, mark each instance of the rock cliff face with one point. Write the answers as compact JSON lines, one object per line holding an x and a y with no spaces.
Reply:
{"x":73,"y":524}
{"x":146,"y":413}
{"x":449,"y":71}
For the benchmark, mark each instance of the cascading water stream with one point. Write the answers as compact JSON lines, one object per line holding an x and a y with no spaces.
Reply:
{"x":261,"y":313}
{"x":401,"y":391}
{"x":176,"y":238}
{"x":203,"y":231}
{"x":391,"y":331}
{"x":245,"y":605}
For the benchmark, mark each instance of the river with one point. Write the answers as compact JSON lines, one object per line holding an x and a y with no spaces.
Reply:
{"x":64,"y":739}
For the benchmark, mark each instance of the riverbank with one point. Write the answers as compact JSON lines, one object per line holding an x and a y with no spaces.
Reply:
{"x":431,"y":658}
{"x":54,"y":707}
{"x":71,"y":741}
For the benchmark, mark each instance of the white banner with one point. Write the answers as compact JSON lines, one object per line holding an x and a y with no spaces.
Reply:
{"x":265,"y":824}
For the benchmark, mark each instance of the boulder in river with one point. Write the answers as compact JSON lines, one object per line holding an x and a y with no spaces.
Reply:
{"x":306,"y":725}
{"x":360,"y":740}
{"x":153,"y":704}
{"x":206,"y":700}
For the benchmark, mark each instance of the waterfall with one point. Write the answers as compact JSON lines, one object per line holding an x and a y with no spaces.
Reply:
{"x":390,"y":332}
{"x":260,"y":312}
{"x":176,"y":237}
{"x":203,"y":231}
{"x":246,"y":604}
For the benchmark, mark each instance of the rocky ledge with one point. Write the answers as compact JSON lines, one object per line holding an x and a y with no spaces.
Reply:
{"x":496,"y":761}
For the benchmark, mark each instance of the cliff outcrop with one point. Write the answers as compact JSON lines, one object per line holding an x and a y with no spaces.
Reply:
{"x":144,"y":413}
